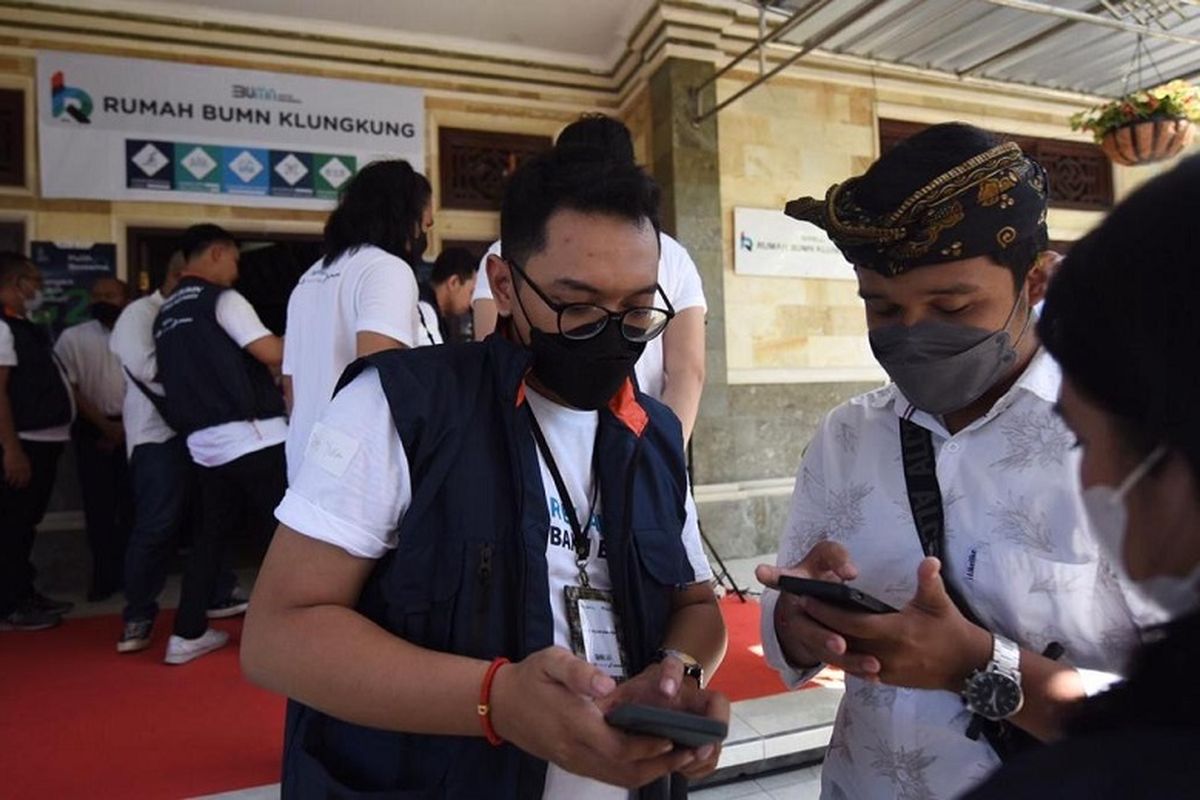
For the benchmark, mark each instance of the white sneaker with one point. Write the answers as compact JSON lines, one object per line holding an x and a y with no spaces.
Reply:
{"x":181,"y":651}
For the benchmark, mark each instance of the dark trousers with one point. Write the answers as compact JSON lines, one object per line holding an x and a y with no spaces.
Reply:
{"x":254,"y":483}
{"x":21,"y":510}
{"x":162,"y":482}
{"x":107,"y":505}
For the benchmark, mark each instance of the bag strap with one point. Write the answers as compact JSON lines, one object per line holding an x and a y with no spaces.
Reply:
{"x":925,"y":499}
{"x":157,"y":400}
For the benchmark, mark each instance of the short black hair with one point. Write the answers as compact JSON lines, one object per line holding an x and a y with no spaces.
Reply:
{"x":382,"y":206}
{"x":454,"y":261}
{"x":600,"y":132}
{"x":1119,"y":318}
{"x":14,"y":265}
{"x":578,"y":179}
{"x":921,"y":158}
{"x":199,"y":238}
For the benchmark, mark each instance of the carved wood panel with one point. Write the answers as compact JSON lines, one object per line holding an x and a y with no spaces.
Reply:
{"x":474,"y":165}
{"x":1080,"y":174}
{"x":12,"y":137}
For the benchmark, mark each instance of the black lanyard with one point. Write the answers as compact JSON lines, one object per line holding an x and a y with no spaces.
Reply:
{"x":581,"y":540}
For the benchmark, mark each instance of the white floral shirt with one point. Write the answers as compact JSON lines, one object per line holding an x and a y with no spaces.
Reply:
{"x":1017,"y":546}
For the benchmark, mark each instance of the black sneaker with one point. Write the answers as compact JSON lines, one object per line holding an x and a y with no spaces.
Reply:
{"x":136,"y":636}
{"x":29,"y":619}
{"x":231,"y":606}
{"x":39,"y":602}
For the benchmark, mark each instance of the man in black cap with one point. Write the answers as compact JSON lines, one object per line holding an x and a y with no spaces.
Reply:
{"x":216,"y":361}
{"x":950,"y":494}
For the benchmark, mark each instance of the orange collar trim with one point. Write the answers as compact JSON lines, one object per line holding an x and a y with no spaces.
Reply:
{"x":623,"y":405}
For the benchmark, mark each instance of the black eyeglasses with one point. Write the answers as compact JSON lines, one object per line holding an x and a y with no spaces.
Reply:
{"x":580,"y":321}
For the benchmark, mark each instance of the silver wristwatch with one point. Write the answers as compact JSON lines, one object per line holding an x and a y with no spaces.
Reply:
{"x":995,"y":691}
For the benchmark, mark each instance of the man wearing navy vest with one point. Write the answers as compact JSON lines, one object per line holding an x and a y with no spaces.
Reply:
{"x":36,"y":411}
{"x":216,"y":361}
{"x":516,"y":500}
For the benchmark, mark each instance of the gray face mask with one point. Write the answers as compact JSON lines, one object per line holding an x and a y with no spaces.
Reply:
{"x":942,"y":367}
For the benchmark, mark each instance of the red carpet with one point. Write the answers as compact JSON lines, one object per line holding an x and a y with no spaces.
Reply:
{"x":78,"y":720}
{"x":744,"y":674}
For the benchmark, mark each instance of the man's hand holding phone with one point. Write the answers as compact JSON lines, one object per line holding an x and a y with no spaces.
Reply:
{"x":805,"y":641}
{"x":549,"y":705}
{"x":664,"y":686}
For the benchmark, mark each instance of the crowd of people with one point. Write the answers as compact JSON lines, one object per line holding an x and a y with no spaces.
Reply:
{"x":482,"y":549}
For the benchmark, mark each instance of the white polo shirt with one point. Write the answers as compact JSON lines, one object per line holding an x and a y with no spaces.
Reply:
{"x":366,"y":289}
{"x":132,"y":342}
{"x":83,"y":350}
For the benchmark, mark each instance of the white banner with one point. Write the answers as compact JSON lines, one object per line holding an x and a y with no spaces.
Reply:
{"x":134,"y":129}
{"x":768,"y":242}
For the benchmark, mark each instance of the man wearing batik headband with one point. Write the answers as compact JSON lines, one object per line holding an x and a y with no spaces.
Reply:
{"x":950,"y":494}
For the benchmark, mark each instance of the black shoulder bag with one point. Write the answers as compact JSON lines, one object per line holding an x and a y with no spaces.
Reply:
{"x":925,"y":498}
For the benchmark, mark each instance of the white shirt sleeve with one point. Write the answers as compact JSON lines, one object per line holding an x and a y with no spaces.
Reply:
{"x":692,"y":542}
{"x":679,"y":276}
{"x":239,"y":319}
{"x":8,"y":351}
{"x":793,"y":546}
{"x":483,"y":288}
{"x":68,"y":350}
{"x":354,"y":485}
{"x":133,"y":344}
{"x":385,"y":300}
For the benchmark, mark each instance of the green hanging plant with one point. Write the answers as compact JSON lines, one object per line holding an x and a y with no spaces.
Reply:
{"x":1175,"y":100}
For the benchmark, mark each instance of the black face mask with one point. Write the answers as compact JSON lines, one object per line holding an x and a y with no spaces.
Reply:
{"x":584,"y":373}
{"x":105,"y":313}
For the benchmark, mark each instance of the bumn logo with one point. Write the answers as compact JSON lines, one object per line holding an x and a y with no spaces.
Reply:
{"x":746,"y":242}
{"x":75,"y":103}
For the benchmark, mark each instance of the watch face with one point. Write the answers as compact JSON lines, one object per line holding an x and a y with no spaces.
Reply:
{"x":993,"y":695}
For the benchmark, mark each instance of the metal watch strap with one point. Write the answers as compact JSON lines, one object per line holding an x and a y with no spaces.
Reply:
{"x":1006,"y":655}
{"x":692,"y":668}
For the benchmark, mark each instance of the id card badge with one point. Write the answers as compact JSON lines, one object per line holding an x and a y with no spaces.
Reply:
{"x":595,"y":629}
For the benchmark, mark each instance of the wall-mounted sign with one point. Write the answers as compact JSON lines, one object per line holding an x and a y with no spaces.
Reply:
{"x":134,"y":129}
{"x":68,"y":270}
{"x":768,"y":242}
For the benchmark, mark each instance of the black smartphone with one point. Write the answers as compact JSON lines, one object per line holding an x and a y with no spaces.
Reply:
{"x":836,"y":594}
{"x":685,"y":730}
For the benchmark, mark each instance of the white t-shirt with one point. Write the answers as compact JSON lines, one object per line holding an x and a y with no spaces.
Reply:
{"x":132,"y":342}
{"x":354,"y":486}
{"x":680,"y":281}
{"x":367,"y":289}
{"x":222,"y":444}
{"x":8,"y":358}
{"x":83,"y":351}
{"x":428,"y":331}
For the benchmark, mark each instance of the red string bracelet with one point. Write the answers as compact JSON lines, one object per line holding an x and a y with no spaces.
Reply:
{"x":485,"y":702}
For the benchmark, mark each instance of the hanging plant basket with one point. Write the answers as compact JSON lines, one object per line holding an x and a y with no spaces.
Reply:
{"x":1147,"y":141}
{"x":1146,"y":126}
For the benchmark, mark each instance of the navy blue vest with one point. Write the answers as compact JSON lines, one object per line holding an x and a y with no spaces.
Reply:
{"x":207,"y":379}
{"x":469,"y":574}
{"x":36,"y":392}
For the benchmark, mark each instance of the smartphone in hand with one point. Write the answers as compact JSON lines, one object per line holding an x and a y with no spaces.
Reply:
{"x":835,"y":594}
{"x":686,"y":730}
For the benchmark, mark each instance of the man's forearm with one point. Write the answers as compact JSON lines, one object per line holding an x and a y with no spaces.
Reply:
{"x":698,"y":629}
{"x":8,"y":428}
{"x":335,"y":660}
{"x":682,"y":395}
{"x":1052,"y":689}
